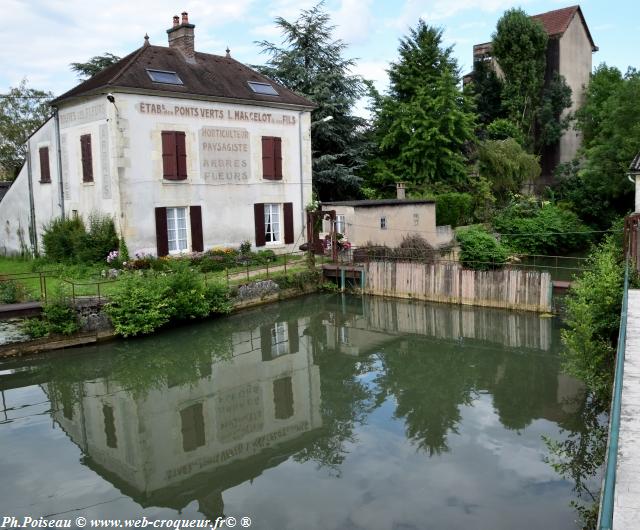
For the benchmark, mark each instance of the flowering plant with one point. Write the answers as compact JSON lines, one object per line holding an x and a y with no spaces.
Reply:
{"x":113,"y":256}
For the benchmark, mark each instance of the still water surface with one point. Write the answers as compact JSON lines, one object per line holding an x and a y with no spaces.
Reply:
{"x":325,"y":412}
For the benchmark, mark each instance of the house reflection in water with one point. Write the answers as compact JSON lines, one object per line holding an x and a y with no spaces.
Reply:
{"x":185,"y":440}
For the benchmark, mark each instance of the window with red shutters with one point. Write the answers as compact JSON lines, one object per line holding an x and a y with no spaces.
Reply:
{"x":271,"y":158}
{"x":87,"y":158}
{"x":174,"y":155}
{"x":45,"y":171}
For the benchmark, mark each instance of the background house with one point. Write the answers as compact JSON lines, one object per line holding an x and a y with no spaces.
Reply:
{"x":185,"y":150}
{"x":569,"y":54}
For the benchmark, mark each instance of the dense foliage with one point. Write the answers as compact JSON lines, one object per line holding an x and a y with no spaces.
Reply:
{"x":22,"y":111}
{"x":454,"y":209}
{"x":422,"y":126}
{"x":148,"y":302}
{"x":479,"y":249}
{"x":556,"y":97}
{"x":59,"y":317}
{"x":531,"y":227}
{"x":69,"y":240}
{"x":593,"y":319}
{"x":519,"y":46}
{"x":486,"y":90}
{"x":610,"y":120}
{"x":507,"y":166}
{"x":311,"y":63}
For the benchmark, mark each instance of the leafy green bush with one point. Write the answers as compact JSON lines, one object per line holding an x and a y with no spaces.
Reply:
{"x":141,"y":306}
{"x":68,"y":240}
{"x":148,"y":302}
{"x":454,"y":209}
{"x":501,"y":129}
{"x":62,"y":238}
{"x":531,"y":227}
{"x":35,"y":328}
{"x":479,"y":249}
{"x":12,"y":291}
{"x":593,"y":318}
{"x":61,"y":317}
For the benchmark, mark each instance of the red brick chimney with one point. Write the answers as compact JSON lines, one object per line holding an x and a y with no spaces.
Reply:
{"x":181,"y":37}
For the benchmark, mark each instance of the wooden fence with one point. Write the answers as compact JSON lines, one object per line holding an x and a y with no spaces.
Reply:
{"x":507,"y":288}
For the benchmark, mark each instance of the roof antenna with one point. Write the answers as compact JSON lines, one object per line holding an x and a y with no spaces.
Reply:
{"x":146,"y":39}
{"x":228,"y":52}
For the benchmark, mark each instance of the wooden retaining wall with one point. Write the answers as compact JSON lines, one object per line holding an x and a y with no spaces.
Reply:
{"x":449,"y":282}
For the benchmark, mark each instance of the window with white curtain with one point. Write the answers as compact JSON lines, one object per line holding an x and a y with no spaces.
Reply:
{"x":340,"y":224}
{"x":272,"y":228}
{"x":177,"y":232}
{"x":279,"y":339}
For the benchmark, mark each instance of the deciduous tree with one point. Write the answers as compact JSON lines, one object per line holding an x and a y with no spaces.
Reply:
{"x":22,"y":111}
{"x":519,"y":46}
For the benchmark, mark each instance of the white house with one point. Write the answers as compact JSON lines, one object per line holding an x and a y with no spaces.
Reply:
{"x":186,"y":150}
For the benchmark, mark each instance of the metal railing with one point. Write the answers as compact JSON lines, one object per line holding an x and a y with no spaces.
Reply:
{"x":605,"y":515}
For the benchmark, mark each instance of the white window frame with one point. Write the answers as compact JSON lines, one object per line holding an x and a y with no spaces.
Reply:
{"x":273,"y":216}
{"x":341,"y":225}
{"x":181,"y":244}
{"x":383,"y":223}
{"x":279,"y":339}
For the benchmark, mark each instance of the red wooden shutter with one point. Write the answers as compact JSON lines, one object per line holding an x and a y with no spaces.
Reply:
{"x":162,"y":238}
{"x":268,"y":166}
{"x":87,"y":158}
{"x":195,"y":213}
{"x":181,"y":155}
{"x":169,"y":155}
{"x":288,"y":222}
{"x":45,"y":172}
{"x":258,"y":218}
{"x":277,"y":158}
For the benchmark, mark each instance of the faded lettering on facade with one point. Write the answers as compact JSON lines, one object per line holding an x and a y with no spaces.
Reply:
{"x":239,"y":412}
{"x":64,"y":150}
{"x":83,"y":115}
{"x":225,"y":154}
{"x":104,"y":162}
{"x":190,"y":111}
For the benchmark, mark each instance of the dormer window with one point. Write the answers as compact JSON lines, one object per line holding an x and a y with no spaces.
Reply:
{"x":164,"y":76}
{"x":262,"y":88}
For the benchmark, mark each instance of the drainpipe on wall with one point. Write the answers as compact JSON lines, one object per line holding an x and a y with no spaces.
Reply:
{"x":302,"y":216}
{"x":33,"y":235}
{"x":59,"y":157}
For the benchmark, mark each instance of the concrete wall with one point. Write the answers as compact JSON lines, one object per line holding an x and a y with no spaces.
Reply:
{"x":575,"y":66}
{"x":363,"y":223}
{"x":449,"y":282}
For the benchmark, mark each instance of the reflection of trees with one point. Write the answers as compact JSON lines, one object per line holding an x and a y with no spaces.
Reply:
{"x":580,"y":457}
{"x":346,"y":401}
{"x":428,"y":388}
{"x":525,"y":389}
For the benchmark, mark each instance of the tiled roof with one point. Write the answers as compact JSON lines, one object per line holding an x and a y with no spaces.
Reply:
{"x":209,"y":76}
{"x":556,"y":22}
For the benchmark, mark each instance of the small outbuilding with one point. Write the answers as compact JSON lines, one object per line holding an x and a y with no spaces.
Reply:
{"x":386,"y":221}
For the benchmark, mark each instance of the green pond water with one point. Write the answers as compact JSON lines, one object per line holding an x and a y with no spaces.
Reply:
{"x":324,"y":412}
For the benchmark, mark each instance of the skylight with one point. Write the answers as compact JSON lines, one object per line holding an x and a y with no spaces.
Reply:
{"x":263,"y":88}
{"x":163,"y":76}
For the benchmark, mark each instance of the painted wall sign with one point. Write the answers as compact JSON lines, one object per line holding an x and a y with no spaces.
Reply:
{"x":225,"y":154}
{"x":104,"y":162}
{"x":188,"y":111}
{"x":239,"y":412}
{"x":83,"y":115}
